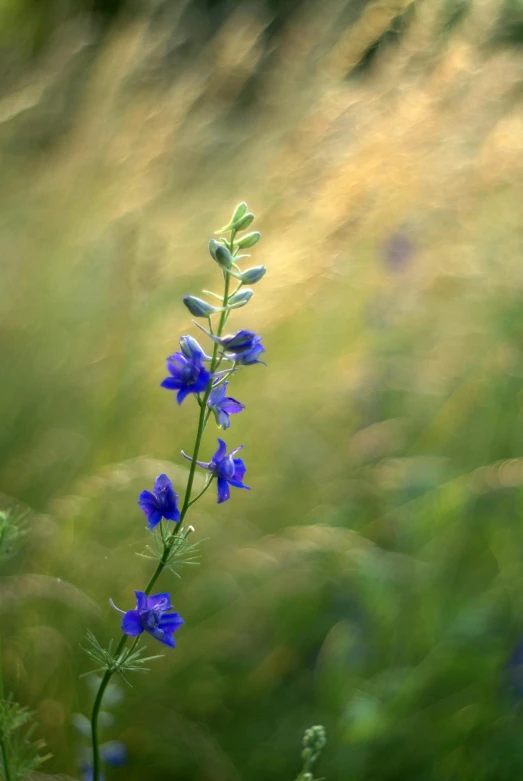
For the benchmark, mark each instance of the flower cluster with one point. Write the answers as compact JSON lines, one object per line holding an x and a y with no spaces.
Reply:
{"x":205,"y":376}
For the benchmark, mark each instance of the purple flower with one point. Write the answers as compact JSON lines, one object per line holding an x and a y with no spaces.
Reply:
{"x":243,"y":348}
{"x":114,"y":753}
{"x":152,"y":615}
{"x":223,"y":405}
{"x":190,"y":347}
{"x":188,"y":374}
{"x":163,"y":503}
{"x":86,"y":771}
{"x":226,"y":469}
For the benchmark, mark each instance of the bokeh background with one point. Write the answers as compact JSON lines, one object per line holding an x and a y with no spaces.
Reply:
{"x":372,"y":580}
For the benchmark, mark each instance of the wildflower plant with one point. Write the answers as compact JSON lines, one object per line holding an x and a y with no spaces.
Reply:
{"x":200,"y":376}
{"x":314,"y":741}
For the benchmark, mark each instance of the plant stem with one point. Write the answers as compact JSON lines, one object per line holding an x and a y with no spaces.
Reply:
{"x":7,"y":771}
{"x":202,"y":422}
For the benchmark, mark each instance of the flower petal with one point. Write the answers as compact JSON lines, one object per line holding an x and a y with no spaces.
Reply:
{"x":222,"y":419}
{"x":216,"y":395}
{"x":172,"y":513}
{"x":239,"y":469}
{"x":132,"y":623}
{"x":223,"y":490}
{"x":164,"y":637}
{"x":153,"y":519}
{"x":202,"y":381}
{"x":183,"y":393}
{"x":222,"y":450}
{"x":171,"y":383}
{"x":238,"y":484}
{"x":161,"y":483}
{"x":141,"y":600}
{"x":154,"y":600}
{"x":148,"y":502}
{"x":176,"y":363}
{"x":170,"y":622}
{"x":232,"y":406}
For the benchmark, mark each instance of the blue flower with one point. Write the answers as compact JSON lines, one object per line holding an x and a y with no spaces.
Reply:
{"x":188,"y":374}
{"x":226,"y":469}
{"x":86,"y":772}
{"x":223,"y":405}
{"x":243,"y":348}
{"x":152,"y":614}
{"x":163,"y":503}
{"x":114,"y":753}
{"x":190,"y":347}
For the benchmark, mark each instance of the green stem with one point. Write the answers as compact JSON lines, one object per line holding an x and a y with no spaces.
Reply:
{"x":7,"y":770}
{"x":202,"y":422}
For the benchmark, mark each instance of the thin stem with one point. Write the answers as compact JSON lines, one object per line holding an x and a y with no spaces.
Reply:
{"x":206,"y":486}
{"x":202,"y":422}
{"x":7,"y":770}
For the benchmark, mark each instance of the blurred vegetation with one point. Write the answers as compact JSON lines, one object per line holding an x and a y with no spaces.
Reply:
{"x":371,"y":581}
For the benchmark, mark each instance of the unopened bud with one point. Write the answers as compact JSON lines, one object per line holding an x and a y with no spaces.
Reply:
{"x":238,"y":213}
{"x":241,"y":298}
{"x":244,"y":222}
{"x":249,"y":240}
{"x":197,"y":307}
{"x":220,"y":254}
{"x":252,"y":275}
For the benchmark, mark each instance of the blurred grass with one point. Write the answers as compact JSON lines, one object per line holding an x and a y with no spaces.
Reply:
{"x":371,"y":581}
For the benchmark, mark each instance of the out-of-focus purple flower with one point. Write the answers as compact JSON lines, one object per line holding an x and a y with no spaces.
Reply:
{"x":153,"y":615}
{"x":223,"y":405}
{"x":514,"y":670}
{"x":188,"y":374}
{"x":114,"y":753}
{"x":86,"y":772}
{"x":226,"y":469}
{"x":163,"y":503}
{"x":397,"y":250}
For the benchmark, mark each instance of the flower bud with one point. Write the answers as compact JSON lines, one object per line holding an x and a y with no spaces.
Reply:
{"x":249,"y":240}
{"x":220,"y":254}
{"x":197,"y":307}
{"x":213,"y":244}
{"x":223,"y":256}
{"x":244,"y":222}
{"x":238,"y":213}
{"x":190,"y":347}
{"x":252,"y":275}
{"x":241,"y":298}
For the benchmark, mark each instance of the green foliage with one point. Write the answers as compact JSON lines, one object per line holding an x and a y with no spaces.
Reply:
{"x":371,"y":581}
{"x":12,"y":530}
{"x":130,"y":660}
{"x":18,"y":746}
{"x":180,"y":551}
{"x":314,"y":741}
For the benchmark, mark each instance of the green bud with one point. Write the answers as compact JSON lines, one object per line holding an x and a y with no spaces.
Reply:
{"x":244,"y":222}
{"x":252,"y":275}
{"x":213,"y":244}
{"x":307,"y":777}
{"x":240,"y":298}
{"x":238,"y":213}
{"x":199,"y":308}
{"x":223,"y":256}
{"x":249,"y":240}
{"x":220,"y":254}
{"x":307,"y":753}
